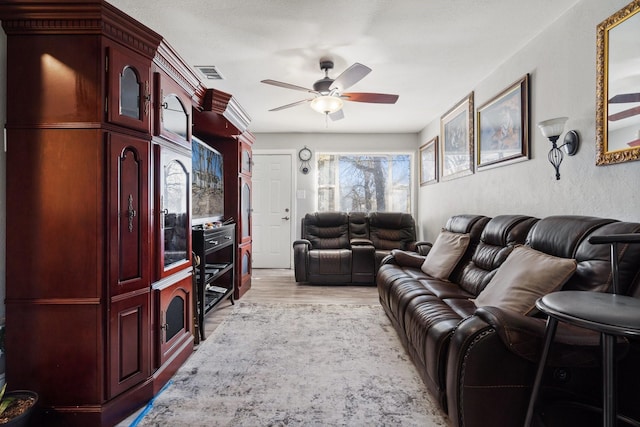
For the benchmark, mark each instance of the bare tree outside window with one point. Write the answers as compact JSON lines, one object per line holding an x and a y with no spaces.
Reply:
{"x":364,"y":182}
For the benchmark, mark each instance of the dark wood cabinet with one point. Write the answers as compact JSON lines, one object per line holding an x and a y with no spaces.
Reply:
{"x":172,"y":314}
{"x":221,"y":123}
{"x":99,"y":283}
{"x":129,"y":363}
{"x":237,"y":153}
{"x":129,"y":273}
{"x":99,"y":311}
{"x":173,"y":328}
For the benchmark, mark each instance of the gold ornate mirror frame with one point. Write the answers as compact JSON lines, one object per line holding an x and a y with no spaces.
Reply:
{"x":618,"y":87}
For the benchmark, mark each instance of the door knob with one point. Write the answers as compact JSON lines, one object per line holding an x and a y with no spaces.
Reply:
{"x":286,"y":218}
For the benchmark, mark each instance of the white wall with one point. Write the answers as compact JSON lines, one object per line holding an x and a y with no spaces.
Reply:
{"x":561,"y":62}
{"x":329,"y":142}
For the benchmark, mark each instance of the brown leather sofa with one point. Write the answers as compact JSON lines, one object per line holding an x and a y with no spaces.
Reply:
{"x":479,"y":362}
{"x":347,"y":248}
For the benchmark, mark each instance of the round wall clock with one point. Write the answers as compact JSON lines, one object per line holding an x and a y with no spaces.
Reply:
{"x":304,"y":155}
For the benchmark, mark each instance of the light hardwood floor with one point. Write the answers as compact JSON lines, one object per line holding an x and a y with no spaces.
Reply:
{"x":278,"y":286}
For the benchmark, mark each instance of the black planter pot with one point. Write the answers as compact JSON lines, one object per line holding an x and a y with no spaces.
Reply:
{"x":22,"y":420}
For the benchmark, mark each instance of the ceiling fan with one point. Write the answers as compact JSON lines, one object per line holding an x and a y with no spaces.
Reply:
{"x":624,"y":99}
{"x":329,"y":93}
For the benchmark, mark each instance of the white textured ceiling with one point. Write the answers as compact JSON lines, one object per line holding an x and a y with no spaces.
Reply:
{"x":430,"y":52}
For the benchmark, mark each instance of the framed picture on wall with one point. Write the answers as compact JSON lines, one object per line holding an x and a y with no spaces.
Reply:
{"x":503,"y":127}
{"x":429,"y":162}
{"x":456,"y":140}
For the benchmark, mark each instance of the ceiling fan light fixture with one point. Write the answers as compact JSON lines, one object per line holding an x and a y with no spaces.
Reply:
{"x":326,"y":104}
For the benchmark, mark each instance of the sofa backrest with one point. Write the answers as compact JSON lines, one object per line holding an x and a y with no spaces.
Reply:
{"x":568,"y":236}
{"x":326,"y":230}
{"x":497,"y":239}
{"x":358,"y":225}
{"x":392,"y":230}
{"x":473,"y":225}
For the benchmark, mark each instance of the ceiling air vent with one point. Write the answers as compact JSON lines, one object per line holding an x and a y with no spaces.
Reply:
{"x":210,"y":72}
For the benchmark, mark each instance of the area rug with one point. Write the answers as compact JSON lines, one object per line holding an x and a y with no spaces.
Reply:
{"x":298,"y":365}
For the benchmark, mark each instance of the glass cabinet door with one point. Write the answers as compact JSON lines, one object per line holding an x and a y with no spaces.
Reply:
{"x":130,"y":88}
{"x":245,"y":158}
{"x":129,"y":95}
{"x":172,"y":112}
{"x":173,"y":311}
{"x":175,"y":187}
{"x":245,"y":210}
{"x":175,"y":118}
{"x":245,"y":264}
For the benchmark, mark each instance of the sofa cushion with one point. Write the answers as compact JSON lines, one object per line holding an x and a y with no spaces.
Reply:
{"x":445,"y":254}
{"x":525,"y":276}
{"x":499,"y":237}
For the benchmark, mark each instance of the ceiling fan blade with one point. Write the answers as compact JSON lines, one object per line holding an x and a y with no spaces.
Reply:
{"x":624,"y":114}
{"x":624,"y":98}
{"x":338,"y":115}
{"x":293,"y":104}
{"x":378,"y":98}
{"x":350,"y":76}
{"x":287,"y":86}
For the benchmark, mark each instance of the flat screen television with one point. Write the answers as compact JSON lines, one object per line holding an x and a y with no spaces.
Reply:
{"x":207,"y":184}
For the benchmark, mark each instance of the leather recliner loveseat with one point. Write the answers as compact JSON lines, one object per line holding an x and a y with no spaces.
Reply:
{"x":479,"y":361}
{"x":348,"y":248}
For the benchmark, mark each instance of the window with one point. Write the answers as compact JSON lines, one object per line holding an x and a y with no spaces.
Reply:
{"x":364,"y":182}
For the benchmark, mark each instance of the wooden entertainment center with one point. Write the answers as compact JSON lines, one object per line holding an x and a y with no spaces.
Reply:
{"x":99,"y":274}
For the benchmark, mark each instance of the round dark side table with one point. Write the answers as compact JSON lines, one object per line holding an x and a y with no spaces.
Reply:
{"x":610,"y":314}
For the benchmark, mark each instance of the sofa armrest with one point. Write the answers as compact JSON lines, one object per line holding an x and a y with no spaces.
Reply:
{"x":361,"y":242}
{"x":423,"y":248}
{"x":389,"y":259}
{"x":482,"y":371}
{"x":524,"y":336}
{"x":302,"y":242}
{"x":407,"y":259}
{"x":301,"y":250}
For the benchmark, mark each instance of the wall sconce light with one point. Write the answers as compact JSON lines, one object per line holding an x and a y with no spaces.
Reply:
{"x":552,"y":129}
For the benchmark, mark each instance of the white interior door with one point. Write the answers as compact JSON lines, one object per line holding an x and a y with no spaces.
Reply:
{"x":271,"y":177}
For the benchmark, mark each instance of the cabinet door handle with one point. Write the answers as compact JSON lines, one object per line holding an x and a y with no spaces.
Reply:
{"x":147,"y":98}
{"x":131,"y":213}
{"x":285,"y":218}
